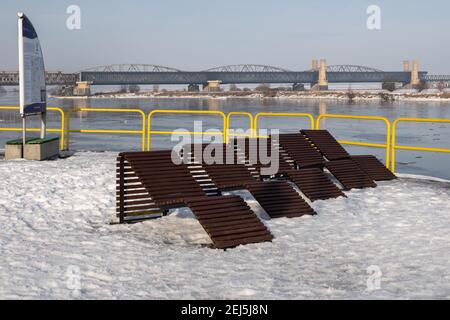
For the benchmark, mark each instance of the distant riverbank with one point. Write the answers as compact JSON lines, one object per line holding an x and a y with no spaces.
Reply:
{"x":370,"y":95}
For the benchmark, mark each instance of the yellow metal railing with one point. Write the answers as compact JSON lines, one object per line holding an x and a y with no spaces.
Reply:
{"x":138,"y":111}
{"x":238,"y":113}
{"x":60,"y":130}
{"x":386,"y":146}
{"x":413,"y":148}
{"x":197,"y":112}
{"x":390,"y":146}
{"x":280,"y":114}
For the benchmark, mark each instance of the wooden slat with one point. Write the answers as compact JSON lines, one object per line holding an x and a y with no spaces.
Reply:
{"x":279,"y":199}
{"x":228,"y":232}
{"x":373,"y":167}
{"x":349,"y":174}
{"x":326,"y":144}
{"x":314,"y":184}
{"x":300,"y":150}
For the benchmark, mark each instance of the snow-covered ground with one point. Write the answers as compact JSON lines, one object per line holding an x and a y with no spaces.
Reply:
{"x":56,"y":242}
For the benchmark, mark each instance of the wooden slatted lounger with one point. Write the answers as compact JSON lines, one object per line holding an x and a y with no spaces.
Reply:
{"x":349,"y":174}
{"x":326,"y":144}
{"x":333,"y":150}
{"x":310,"y":179}
{"x":373,"y":167}
{"x":149,"y":183}
{"x":252,"y":157}
{"x":277,"y":198}
{"x":300,"y":151}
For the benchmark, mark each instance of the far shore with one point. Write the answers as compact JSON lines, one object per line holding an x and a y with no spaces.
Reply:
{"x":341,"y":95}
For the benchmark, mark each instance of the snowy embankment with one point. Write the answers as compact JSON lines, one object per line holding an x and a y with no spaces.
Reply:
{"x":56,"y":242}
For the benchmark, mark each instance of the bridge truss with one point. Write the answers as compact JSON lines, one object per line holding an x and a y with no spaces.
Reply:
{"x":117,"y":74}
{"x":51,"y":78}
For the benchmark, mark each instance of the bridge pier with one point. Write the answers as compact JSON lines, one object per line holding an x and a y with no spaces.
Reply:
{"x":415,"y":82}
{"x":322,"y":84}
{"x":82,"y":88}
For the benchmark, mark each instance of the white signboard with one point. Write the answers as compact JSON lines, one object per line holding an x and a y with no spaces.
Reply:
{"x":33,"y":94}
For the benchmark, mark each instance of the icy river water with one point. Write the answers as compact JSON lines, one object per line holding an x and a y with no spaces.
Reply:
{"x":412,"y":134}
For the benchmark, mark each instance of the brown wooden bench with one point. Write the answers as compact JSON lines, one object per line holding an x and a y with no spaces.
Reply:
{"x":149,"y":183}
{"x":314,"y":184}
{"x":277,"y":198}
{"x":333,"y":150}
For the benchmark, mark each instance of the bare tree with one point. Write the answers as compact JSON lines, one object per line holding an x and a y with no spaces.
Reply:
{"x":155,"y":88}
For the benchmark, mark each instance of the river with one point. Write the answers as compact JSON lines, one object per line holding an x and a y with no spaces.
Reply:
{"x":418,"y":134}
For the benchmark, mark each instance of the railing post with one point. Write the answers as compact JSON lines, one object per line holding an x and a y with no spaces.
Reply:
{"x":68,"y":119}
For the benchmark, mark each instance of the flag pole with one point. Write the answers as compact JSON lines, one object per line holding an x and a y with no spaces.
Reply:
{"x":21,"y":79}
{"x":43,"y":124}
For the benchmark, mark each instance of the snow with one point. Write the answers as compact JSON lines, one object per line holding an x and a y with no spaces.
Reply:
{"x":56,"y":241}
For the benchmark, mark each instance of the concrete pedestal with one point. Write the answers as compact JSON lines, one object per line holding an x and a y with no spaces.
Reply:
{"x":13,"y":148}
{"x":13,"y":151}
{"x":41,"y":149}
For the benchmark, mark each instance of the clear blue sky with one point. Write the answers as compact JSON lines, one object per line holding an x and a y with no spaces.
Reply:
{"x":200,"y":34}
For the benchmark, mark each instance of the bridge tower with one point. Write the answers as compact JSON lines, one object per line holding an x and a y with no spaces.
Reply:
{"x":314,"y":65}
{"x":406,"y":66}
{"x":415,"y":81}
{"x":322,"y":83}
{"x":314,"y":68}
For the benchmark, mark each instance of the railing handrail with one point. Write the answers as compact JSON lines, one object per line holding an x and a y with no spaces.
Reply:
{"x":212,"y":112}
{"x":240,"y":113}
{"x":391,"y":130}
{"x":60,"y":130}
{"x":413,"y":148}
{"x":386,"y":146}
{"x":280,"y":114}
{"x":114,"y":110}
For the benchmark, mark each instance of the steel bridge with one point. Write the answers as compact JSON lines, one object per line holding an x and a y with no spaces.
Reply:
{"x":236,"y":74}
{"x":11,"y":78}
{"x":143,"y":74}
